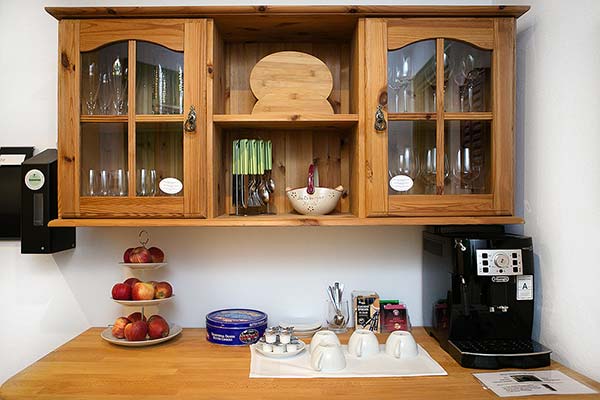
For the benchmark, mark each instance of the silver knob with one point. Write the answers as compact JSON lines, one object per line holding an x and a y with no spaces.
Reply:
{"x":501,"y":260}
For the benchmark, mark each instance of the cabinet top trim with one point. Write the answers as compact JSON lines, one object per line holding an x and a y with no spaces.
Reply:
{"x":217,"y":11}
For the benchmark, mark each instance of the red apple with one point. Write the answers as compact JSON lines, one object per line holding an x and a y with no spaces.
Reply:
{"x":157,"y":254}
{"x":131,"y":281}
{"x":136,"y":331}
{"x":127,"y":254}
{"x":162,"y":290}
{"x":121,"y":291}
{"x":140,"y":255}
{"x":155,"y":316}
{"x":118,"y":329}
{"x":142,"y":291}
{"x":153,"y":283}
{"x":136,"y":316}
{"x":157,"y":327}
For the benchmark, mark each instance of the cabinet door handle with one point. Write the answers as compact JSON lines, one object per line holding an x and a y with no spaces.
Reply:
{"x":380,"y":122}
{"x":190,"y":122}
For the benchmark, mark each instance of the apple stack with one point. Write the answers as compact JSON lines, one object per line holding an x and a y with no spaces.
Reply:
{"x":135,"y":292}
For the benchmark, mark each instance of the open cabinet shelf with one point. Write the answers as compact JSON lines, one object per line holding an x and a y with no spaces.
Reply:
{"x":286,"y":121}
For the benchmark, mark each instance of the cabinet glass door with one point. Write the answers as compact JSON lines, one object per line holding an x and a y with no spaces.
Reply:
{"x":132,"y":147}
{"x":439,"y":116}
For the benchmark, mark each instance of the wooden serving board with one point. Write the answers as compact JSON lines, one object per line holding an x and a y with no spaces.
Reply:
{"x":291,"y":81}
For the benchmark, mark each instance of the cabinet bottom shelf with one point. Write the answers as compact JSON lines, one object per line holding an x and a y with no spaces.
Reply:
{"x":345,"y":219}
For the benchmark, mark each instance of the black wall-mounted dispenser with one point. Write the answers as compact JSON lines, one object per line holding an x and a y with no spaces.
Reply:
{"x":39,"y":199}
{"x":10,"y":190}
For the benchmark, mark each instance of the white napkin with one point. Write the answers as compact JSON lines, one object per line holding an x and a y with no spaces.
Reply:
{"x":379,"y":365}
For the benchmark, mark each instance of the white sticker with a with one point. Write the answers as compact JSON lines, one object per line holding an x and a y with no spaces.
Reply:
{"x":34,"y":179}
{"x":401,"y":183}
{"x":170,"y":185}
{"x":525,"y":287}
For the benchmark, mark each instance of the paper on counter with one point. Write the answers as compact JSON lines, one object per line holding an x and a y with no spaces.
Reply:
{"x":529,"y":383}
{"x":379,"y":365}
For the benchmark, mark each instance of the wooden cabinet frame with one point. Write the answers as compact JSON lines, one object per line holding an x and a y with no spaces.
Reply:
{"x":495,"y":34}
{"x":209,"y":36}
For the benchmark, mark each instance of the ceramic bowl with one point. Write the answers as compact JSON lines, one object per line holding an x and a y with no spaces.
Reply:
{"x":321,"y":202}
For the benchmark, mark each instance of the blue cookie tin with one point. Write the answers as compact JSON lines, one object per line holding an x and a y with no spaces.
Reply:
{"x":235,"y":326}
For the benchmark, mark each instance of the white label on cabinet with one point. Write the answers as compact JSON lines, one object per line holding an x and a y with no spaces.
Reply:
{"x":34,"y":179}
{"x":170,"y":185}
{"x":11,"y":159}
{"x":525,"y":287}
{"x":401,"y":183}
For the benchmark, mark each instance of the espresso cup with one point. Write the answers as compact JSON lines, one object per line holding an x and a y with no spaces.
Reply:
{"x":402,"y":345}
{"x":363,"y":343}
{"x":323,"y":337}
{"x":328,"y":357}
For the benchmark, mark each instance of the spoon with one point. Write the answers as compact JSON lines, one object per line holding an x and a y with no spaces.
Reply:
{"x":263,"y":192}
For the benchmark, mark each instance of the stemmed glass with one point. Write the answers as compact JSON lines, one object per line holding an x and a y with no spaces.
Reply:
{"x":431,"y":77}
{"x":462,"y":77}
{"x":408,"y":165}
{"x":119,"y":90}
{"x":400,"y":79}
{"x":105,"y":94}
{"x":429,"y":169}
{"x":91,"y":88}
{"x":465,"y":171}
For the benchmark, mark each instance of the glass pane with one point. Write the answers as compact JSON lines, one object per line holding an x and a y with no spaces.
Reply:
{"x":411,"y":78}
{"x":410,"y":145}
{"x":469,"y":89}
{"x":159,"y":75}
{"x":159,"y":159}
{"x":468,"y":148}
{"x":104,"y":80}
{"x":104,"y":159}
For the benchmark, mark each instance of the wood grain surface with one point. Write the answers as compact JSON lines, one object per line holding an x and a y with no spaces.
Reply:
{"x":188,"y":367}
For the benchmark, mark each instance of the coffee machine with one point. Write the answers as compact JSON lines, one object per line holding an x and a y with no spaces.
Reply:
{"x":478,"y":296}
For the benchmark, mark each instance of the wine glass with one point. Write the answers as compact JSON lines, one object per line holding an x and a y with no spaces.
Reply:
{"x":407,"y":165}
{"x":465,"y":67}
{"x":431,"y":77}
{"x":404,"y":81}
{"x":394,"y":83}
{"x":465,"y":171}
{"x":119,"y":90}
{"x":159,"y":90}
{"x":91,"y":88}
{"x":104,"y":95}
{"x":429,"y":169}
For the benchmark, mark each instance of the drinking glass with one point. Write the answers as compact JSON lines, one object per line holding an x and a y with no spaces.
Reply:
{"x":464,"y":170}
{"x":92,"y":186}
{"x":91,"y":88}
{"x":400,"y":80}
{"x":465,"y":67}
{"x":146,"y":182}
{"x":118,"y":186}
{"x":339,"y":324}
{"x":119,"y":87}
{"x":431,"y":77}
{"x":104,"y":95}
{"x":429,"y":169}
{"x":104,"y":183}
{"x":159,"y":90}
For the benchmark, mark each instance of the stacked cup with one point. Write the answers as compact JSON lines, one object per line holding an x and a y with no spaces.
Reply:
{"x":326,"y":352}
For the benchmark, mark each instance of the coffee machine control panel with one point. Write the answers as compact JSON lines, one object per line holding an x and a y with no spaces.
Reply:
{"x":499,"y":262}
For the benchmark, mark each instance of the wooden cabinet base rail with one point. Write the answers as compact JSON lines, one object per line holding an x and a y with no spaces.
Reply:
{"x":289,"y":220}
{"x":188,"y":367}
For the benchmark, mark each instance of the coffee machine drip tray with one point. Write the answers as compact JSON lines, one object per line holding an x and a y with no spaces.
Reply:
{"x":499,"y":353}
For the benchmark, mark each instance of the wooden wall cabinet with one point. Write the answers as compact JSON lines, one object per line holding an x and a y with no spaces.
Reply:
{"x":441,"y":79}
{"x":125,"y":89}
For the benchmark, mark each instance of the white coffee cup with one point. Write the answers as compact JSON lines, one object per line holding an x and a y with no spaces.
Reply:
{"x":328,"y":357}
{"x":402,"y":345}
{"x":323,"y":337}
{"x":363,"y":343}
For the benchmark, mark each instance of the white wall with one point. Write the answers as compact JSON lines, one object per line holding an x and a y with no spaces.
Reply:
{"x":50,"y":299}
{"x":558,"y":122}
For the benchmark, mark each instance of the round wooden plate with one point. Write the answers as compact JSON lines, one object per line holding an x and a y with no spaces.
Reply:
{"x":291,"y":72}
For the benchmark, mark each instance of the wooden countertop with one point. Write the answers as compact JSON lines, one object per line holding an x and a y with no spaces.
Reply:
{"x":189,"y":367}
